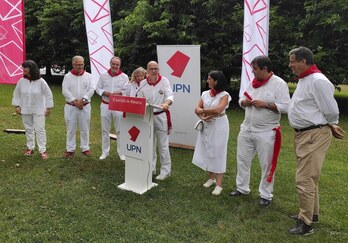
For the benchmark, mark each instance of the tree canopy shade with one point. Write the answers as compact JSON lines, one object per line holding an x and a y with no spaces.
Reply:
{"x":56,"y":32}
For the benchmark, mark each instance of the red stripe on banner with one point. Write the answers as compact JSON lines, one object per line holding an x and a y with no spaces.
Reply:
{"x":12,"y":41}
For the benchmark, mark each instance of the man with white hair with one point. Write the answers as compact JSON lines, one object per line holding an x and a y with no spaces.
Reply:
{"x":77,"y":89}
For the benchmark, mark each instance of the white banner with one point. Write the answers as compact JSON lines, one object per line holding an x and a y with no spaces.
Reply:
{"x":99,"y":34}
{"x":255,"y":37}
{"x":182,"y":66}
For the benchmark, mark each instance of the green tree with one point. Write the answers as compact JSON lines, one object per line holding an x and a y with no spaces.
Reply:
{"x":55,"y":31}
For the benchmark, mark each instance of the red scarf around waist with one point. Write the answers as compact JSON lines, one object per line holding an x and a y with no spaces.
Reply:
{"x":169,"y":120}
{"x":276,"y":150}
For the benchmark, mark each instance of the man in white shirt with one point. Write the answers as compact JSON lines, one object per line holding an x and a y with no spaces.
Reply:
{"x":157,"y":91}
{"x":110,"y":83}
{"x":77,"y":89}
{"x":265,"y":98}
{"x":313,"y":113}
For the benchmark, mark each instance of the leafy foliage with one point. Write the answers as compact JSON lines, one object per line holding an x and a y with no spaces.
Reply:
{"x":56,"y":31}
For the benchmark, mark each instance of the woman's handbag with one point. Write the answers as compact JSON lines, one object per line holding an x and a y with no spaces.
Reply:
{"x":199,"y":125}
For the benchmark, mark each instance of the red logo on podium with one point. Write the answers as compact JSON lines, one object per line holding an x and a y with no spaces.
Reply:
{"x":134,"y":133}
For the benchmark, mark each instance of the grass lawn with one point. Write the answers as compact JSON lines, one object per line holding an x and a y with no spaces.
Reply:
{"x":77,"y":200}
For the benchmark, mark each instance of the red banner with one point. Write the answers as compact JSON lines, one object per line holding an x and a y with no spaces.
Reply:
{"x":12,"y":40}
{"x":127,"y":104}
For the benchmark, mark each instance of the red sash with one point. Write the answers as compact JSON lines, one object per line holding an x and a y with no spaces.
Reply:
{"x":169,"y":120}
{"x":276,"y":150}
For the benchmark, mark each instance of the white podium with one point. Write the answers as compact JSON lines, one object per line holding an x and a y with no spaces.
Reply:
{"x":136,"y":142}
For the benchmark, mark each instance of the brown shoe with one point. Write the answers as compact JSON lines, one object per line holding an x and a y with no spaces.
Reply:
{"x":87,"y":152}
{"x":68,"y":154}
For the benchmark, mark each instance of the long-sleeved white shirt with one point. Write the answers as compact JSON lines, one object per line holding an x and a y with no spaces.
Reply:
{"x":111,"y":84}
{"x":261,"y":119}
{"x":77,"y":87}
{"x":313,"y":102}
{"x":32,"y":96}
{"x":156,"y":94}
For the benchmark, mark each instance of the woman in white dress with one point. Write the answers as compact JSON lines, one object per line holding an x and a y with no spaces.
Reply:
{"x":211,"y":147}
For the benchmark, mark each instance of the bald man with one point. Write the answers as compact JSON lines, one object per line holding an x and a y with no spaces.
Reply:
{"x":157,"y":91}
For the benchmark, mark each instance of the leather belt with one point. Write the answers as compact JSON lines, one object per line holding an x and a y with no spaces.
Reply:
{"x":309,"y":128}
{"x":69,"y":103}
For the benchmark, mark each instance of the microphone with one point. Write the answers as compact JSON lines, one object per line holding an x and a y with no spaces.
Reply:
{"x":136,"y":94}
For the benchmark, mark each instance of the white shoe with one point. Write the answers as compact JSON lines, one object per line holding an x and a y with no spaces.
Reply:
{"x":209,"y":183}
{"x":217,"y":191}
{"x":161,"y":177}
{"x":103,"y":156}
{"x":122,"y":157}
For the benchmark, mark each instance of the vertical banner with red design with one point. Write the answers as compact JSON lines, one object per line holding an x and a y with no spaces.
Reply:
{"x":255,"y":37}
{"x":99,"y":35}
{"x":181,"y":64}
{"x":12,"y":40}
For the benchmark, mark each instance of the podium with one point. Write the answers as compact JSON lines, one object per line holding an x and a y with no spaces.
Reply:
{"x":136,"y":141}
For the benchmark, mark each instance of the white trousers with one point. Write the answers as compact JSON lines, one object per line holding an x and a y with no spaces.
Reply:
{"x":161,"y":139}
{"x":35,"y":124}
{"x":107,"y":117}
{"x":75,"y":117}
{"x":250,"y":143}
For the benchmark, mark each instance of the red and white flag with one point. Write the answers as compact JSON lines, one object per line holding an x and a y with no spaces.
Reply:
{"x":12,"y":40}
{"x":255,"y":37}
{"x":99,"y":35}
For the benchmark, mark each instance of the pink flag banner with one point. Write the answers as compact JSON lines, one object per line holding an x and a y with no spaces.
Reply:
{"x":99,"y":35}
{"x":12,"y":40}
{"x":255,"y":37}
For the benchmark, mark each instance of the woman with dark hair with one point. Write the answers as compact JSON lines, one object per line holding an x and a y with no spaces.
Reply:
{"x":32,"y":98}
{"x":211,"y":147}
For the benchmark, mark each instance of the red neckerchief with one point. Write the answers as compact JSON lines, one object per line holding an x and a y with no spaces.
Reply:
{"x":158,"y":80}
{"x":73,"y":71}
{"x":312,"y":69}
{"x":214,"y":92}
{"x":258,"y":83}
{"x":112,"y":74}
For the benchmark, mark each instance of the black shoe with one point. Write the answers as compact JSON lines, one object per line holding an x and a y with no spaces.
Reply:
{"x":301,"y":228}
{"x":264,"y":202}
{"x":236,"y":193}
{"x":315,"y":218}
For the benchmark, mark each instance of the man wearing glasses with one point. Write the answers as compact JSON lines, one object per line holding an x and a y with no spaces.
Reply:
{"x":157,"y":91}
{"x":77,"y":89}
